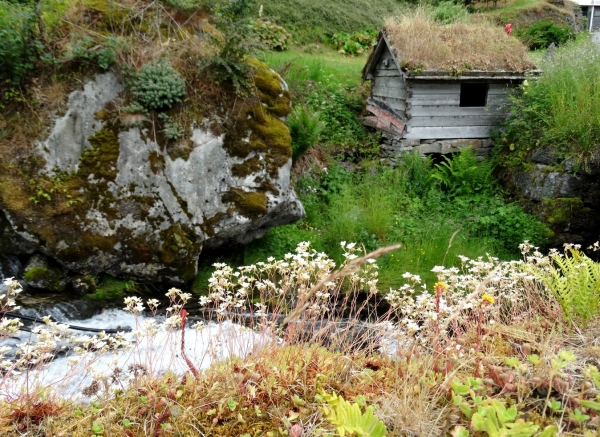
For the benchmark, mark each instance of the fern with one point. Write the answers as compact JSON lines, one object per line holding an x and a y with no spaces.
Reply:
{"x":574,"y":279}
{"x":462,"y":175}
{"x":350,"y":420}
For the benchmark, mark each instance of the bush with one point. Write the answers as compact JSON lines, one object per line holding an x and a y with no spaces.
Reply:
{"x":543,"y":33}
{"x":507,"y":224}
{"x":158,"y":86}
{"x":558,"y":111}
{"x":356,"y":43}
{"x":236,"y":43}
{"x":271,"y":35}
{"x":19,"y":48}
{"x":87,"y":49}
{"x":305,"y":128}
{"x":448,"y":12}
{"x":339,"y":111}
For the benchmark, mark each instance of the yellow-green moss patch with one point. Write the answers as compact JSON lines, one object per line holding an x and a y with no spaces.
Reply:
{"x":270,"y":89}
{"x":249,"y":204}
{"x":101,"y":159}
{"x":252,"y":165}
{"x":50,"y":278}
{"x":562,"y":211}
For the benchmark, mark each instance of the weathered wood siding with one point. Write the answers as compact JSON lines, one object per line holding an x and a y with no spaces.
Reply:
{"x":433,"y":111}
{"x":388,"y":83}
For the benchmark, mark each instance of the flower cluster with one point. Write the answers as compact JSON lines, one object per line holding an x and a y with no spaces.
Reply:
{"x":281,"y":284}
{"x":462,"y":293}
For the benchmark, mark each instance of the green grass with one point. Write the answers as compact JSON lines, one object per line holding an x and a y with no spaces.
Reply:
{"x":558,"y":111}
{"x":507,"y":6}
{"x":377,"y":206}
{"x":312,"y":21}
{"x":325,"y":65}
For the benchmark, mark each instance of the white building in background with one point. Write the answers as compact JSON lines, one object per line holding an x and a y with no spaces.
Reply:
{"x":591,"y":10}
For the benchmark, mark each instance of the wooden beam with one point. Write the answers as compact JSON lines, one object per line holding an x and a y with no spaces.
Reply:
{"x":437,"y":110}
{"x":396,"y":93}
{"x":391,"y":72}
{"x":453,"y":121}
{"x":447,"y":132}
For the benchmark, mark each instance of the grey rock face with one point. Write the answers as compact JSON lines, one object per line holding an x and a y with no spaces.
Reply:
{"x":135,"y":211}
{"x":9,"y":266}
{"x":539,"y":183}
{"x":40,"y":273}
{"x":70,"y":134}
{"x":569,"y":202}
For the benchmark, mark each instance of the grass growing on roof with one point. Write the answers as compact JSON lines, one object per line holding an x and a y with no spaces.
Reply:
{"x":423,"y":43}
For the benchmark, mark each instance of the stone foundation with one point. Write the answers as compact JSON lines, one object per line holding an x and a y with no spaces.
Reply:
{"x":393,"y":147}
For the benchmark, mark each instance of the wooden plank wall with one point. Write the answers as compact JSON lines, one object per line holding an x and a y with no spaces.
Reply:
{"x":388,"y":83}
{"x":433,"y":111}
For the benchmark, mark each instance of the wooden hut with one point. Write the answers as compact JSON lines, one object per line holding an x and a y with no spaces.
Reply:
{"x":440,"y":104}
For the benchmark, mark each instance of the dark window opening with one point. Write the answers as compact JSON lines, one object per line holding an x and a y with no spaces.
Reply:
{"x":473,"y":94}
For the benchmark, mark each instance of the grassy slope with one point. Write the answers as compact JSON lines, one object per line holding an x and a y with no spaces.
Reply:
{"x":328,"y":16}
{"x":523,"y":13}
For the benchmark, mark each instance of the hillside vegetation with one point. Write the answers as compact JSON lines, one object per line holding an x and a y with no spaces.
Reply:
{"x":457,"y":328}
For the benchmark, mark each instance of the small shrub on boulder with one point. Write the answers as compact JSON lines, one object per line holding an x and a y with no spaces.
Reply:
{"x":158,"y":86}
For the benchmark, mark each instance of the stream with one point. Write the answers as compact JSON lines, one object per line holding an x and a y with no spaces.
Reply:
{"x":154,"y":349}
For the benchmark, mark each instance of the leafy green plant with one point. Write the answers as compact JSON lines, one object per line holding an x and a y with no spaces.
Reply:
{"x":87,"y":49}
{"x":349,"y":419}
{"x":20,"y":45}
{"x":543,"y":33}
{"x":557,"y":363}
{"x":271,"y":35}
{"x":157,"y":85}
{"x":237,"y":41}
{"x":507,"y":223}
{"x":172,"y":129}
{"x":305,"y":128}
{"x":339,"y":111}
{"x":463,"y":391}
{"x":574,"y":279}
{"x":496,"y":420}
{"x":461,"y":174}
{"x":353,"y":44}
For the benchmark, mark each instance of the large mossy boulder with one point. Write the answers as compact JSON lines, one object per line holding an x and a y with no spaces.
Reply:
{"x":102,"y":194}
{"x":565,"y":196}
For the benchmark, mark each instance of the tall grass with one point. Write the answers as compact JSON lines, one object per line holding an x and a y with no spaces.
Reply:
{"x":378,"y":205}
{"x":559,"y":110}
{"x":571,"y":88}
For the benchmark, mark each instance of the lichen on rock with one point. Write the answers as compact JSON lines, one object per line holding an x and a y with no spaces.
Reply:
{"x":109,"y":197}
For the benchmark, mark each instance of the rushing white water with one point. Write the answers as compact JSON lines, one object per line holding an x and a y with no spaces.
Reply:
{"x":154,"y":350}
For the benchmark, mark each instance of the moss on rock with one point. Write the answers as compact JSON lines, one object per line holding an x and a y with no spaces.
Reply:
{"x":560,"y":212}
{"x":270,"y":90}
{"x":112,"y":289}
{"x":45,"y":277}
{"x":252,"y":165}
{"x":257,"y":127}
{"x":249,"y":204}
{"x":101,"y":159}
{"x":157,"y":162}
